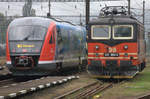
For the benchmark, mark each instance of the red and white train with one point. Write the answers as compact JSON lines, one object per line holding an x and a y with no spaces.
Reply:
{"x":36,"y":46}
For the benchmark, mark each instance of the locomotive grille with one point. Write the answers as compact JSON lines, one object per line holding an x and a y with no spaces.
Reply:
{"x":111,"y":63}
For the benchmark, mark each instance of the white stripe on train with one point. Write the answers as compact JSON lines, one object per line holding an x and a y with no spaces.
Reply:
{"x":53,"y":61}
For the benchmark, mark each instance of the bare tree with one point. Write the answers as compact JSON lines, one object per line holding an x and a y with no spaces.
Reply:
{"x":27,"y":9}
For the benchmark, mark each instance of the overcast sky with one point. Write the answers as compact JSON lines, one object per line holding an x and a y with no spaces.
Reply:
{"x":66,"y":8}
{"x":75,"y":8}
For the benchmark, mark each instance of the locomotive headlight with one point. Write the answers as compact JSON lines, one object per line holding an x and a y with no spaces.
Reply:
{"x":97,"y":47}
{"x":126,"y":47}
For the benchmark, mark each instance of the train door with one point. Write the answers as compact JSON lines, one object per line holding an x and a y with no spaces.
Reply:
{"x":52,"y":43}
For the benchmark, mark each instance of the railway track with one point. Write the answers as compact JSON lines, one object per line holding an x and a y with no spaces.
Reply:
{"x":22,"y":88}
{"x":13,"y":81}
{"x":7,"y":79}
{"x":6,"y":82}
{"x":5,"y":73}
{"x":86,"y":91}
{"x":147,"y":96}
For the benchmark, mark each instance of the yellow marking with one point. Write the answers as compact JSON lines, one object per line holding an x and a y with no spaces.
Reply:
{"x":22,"y":45}
{"x":128,"y":53}
{"x":122,"y":77}
{"x":116,"y":77}
{"x":96,"y":96}
{"x":108,"y":57}
{"x":99,"y":76}
{"x":119,"y":53}
{"x":132,"y":54}
{"x":112,"y":50}
{"x":135,"y":57}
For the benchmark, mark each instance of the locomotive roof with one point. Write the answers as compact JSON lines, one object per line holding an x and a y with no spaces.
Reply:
{"x":117,"y":19}
{"x":31,"y":21}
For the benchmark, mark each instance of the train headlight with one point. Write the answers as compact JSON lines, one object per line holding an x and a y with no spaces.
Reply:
{"x":126,"y":47}
{"x":97,"y":47}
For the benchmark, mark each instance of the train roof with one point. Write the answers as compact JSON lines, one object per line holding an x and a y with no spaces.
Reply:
{"x":67,"y":26}
{"x":31,"y":21}
{"x":117,"y":19}
{"x":41,"y":21}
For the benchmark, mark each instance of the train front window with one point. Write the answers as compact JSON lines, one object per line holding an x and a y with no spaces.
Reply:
{"x":123,"y":32}
{"x":101,"y":32}
{"x":27,"y":33}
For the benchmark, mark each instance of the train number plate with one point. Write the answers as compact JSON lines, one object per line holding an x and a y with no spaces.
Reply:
{"x":111,"y":54}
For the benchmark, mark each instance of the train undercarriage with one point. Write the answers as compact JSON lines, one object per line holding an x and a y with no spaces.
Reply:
{"x":112,"y":70}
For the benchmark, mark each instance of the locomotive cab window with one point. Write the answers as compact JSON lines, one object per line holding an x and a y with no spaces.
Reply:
{"x":123,"y":32}
{"x":101,"y":32}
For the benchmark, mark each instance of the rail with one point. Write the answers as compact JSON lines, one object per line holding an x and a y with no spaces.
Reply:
{"x":86,"y":91}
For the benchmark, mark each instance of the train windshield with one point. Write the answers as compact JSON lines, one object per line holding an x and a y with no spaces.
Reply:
{"x":101,"y":32}
{"x":123,"y":32}
{"x":27,"y":33}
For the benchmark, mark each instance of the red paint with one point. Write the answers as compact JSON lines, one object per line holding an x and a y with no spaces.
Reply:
{"x":48,"y":50}
{"x":7,"y":47}
{"x":132,"y":48}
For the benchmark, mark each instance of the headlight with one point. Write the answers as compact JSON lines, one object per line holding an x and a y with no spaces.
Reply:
{"x":97,"y":47}
{"x":126,"y":47}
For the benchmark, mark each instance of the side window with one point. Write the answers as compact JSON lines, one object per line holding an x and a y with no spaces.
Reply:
{"x":51,"y":40}
{"x":53,"y":36}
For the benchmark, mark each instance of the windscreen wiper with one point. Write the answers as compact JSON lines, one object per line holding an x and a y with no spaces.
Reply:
{"x":26,"y":38}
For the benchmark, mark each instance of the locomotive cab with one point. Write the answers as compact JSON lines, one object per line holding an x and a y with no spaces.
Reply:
{"x":116,"y":46}
{"x":25,"y":39}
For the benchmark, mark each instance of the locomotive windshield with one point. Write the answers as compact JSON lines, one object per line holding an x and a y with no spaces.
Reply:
{"x":27,"y":33}
{"x":123,"y":32}
{"x":118,"y":32}
{"x":101,"y":32}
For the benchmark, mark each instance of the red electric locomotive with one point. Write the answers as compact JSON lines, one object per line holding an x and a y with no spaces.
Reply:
{"x":36,"y":46}
{"x":116,"y":45}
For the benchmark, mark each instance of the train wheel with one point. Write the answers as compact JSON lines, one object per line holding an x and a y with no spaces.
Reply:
{"x":140,"y":67}
{"x":82,"y":64}
{"x":59,"y":67}
{"x":143,"y":65}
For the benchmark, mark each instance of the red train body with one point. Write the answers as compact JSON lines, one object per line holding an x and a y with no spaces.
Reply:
{"x":116,"y":47}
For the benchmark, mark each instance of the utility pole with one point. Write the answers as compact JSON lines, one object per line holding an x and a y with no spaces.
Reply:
{"x":143,"y":12}
{"x":27,"y":8}
{"x":87,"y":2}
{"x":49,"y":6}
{"x":80,"y":20}
{"x":129,"y":4}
